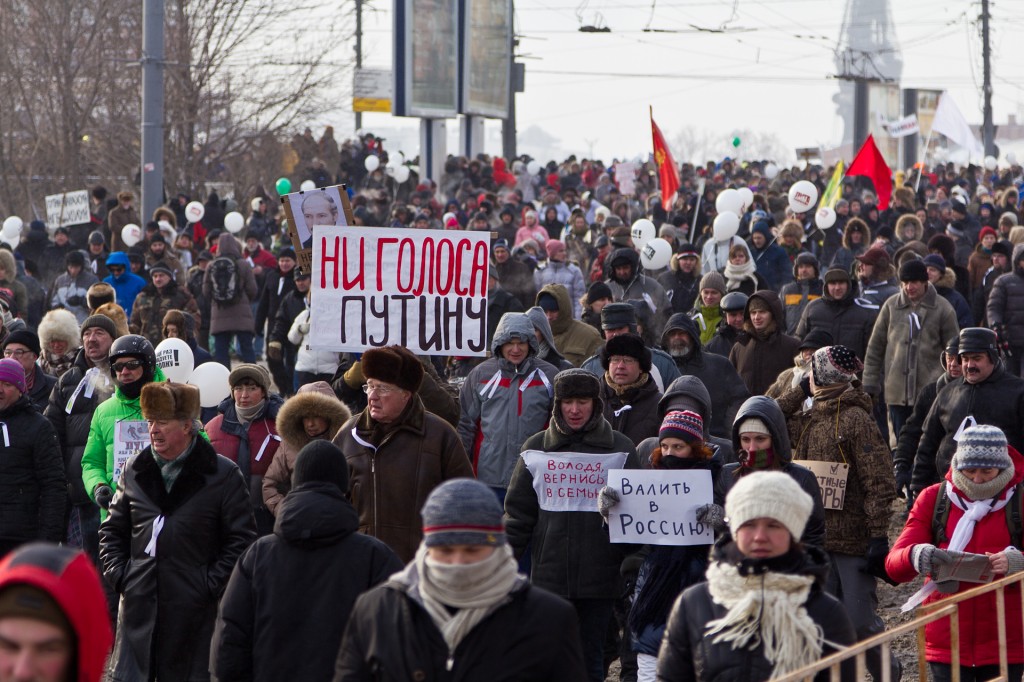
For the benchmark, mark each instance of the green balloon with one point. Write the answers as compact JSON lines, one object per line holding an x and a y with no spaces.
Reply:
{"x":735,"y":142}
{"x":283,"y":185}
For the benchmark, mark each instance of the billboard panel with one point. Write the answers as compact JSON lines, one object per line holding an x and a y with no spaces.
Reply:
{"x":487,"y":57}
{"x":426,"y":58}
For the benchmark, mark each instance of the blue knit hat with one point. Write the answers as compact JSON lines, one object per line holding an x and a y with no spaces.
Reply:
{"x":463,"y":511}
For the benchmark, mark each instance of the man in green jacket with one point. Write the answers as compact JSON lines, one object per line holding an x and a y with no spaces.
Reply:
{"x":118,"y":425}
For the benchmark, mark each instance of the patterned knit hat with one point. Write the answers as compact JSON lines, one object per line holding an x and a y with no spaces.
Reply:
{"x":462,"y":511}
{"x":770,"y":494}
{"x":982,"y":447}
{"x":835,"y":365}
{"x":685,"y":425}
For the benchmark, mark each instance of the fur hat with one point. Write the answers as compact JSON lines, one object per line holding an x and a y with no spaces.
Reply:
{"x":116,"y":314}
{"x":914,"y":271}
{"x":393,"y":365}
{"x":250,"y":372}
{"x":59,"y":325}
{"x":7,"y":262}
{"x":98,"y":294}
{"x":177,"y":318}
{"x":626,"y":344}
{"x":768,"y":494}
{"x":168,"y":400}
{"x":577,"y":383}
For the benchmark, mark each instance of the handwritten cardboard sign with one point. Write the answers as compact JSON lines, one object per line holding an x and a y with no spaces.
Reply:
{"x":660,"y":507}
{"x":130,"y":437}
{"x":423,"y":289}
{"x":570,"y":481}
{"x":831,"y":480}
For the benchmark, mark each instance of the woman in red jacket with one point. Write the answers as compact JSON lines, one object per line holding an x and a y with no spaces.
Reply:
{"x":983,"y":479}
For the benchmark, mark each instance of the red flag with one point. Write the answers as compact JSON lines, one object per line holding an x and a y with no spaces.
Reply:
{"x":668,"y":171}
{"x":869,"y":162}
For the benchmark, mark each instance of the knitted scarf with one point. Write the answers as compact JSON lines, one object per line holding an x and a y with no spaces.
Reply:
{"x":735,"y":274}
{"x":765,"y":609}
{"x":247,"y":414}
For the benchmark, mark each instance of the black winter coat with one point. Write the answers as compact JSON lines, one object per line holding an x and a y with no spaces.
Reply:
{"x":570,"y":552}
{"x":275,"y":287}
{"x":391,"y":638}
{"x":688,"y":655}
{"x":291,"y":305}
{"x":169,"y":601}
{"x":285,"y":608}
{"x":997,"y":401}
{"x":910,"y":435}
{"x":32,"y":485}
{"x":637,"y":415}
{"x":39,"y":395}
{"x":847,"y":320}
{"x":682,"y":289}
{"x":72,"y":425}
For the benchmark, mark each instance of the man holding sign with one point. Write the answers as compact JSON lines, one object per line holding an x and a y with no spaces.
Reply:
{"x":552,"y":501}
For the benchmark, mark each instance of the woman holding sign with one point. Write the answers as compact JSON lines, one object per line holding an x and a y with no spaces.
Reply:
{"x":838,"y":440}
{"x":763,"y":611}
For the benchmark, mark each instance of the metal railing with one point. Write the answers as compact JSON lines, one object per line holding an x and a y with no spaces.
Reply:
{"x":948,"y":607}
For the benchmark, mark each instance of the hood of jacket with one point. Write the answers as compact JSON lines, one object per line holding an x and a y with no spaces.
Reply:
{"x":314,"y":515}
{"x":116,"y":258}
{"x":228,"y":246}
{"x":774,"y":305}
{"x":619,"y":255}
{"x":947,"y":280}
{"x":561,"y":294}
{"x":514,"y":325}
{"x":909,"y":219}
{"x":540,"y":322}
{"x":683,"y":322}
{"x":768,"y":411}
{"x":865,"y":230}
{"x":847,"y":298}
{"x":688,"y":386}
{"x":312,"y":400}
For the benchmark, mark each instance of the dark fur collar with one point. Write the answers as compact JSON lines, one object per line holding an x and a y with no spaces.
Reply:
{"x":200,"y":464}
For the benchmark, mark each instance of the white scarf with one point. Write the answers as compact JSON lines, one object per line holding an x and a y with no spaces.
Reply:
{"x":475,"y":590}
{"x":962,"y":534}
{"x":735,"y":274}
{"x":768,"y":609}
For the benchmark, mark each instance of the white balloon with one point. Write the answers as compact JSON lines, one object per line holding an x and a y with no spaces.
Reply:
{"x":991,"y":163}
{"x":729,"y":201}
{"x":194,"y":211}
{"x":825,"y":217}
{"x":211,"y":379}
{"x":401,"y":174}
{"x":13,"y":225}
{"x":255,"y":203}
{"x":533,"y":167}
{"x":656,"y":254}
{"x":371,"y":163}
{"x":748,"y":197}
{"x":396,"y":158}
{"x":234,"y":222}
{"x":726,"y":226}
{"x":176,"y":359}
{"x":802,"y":196}
{"x":131,"y":234}
{"x":643,"y":231}
{"x":307,"y":186}
{"x":771,"y":171}
{"x":389,"y":171}
{"x":1011,"y":158}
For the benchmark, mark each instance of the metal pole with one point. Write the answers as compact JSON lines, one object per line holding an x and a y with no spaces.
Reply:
{"x":860,"y":113}
{"x":152,"y":106}
{"x":359,"y":52}
{"x":987,"y":133}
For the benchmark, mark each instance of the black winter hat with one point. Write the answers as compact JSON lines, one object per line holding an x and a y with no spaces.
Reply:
{"x":321,"y":461}
{"x":978,"y":340}
{"x":618,"y":315}
{"x":914,"y":271}
{"x":598,"y":291}
{"x":26,"y":338}
{"x":75,"y":258}
{"x":816,"y":338}
{"x":626,"y":344}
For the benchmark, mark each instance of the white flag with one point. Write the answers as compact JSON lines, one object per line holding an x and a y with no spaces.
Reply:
{"x":951,"y":123}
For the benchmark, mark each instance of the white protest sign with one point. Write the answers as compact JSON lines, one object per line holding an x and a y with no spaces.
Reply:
{"x":129,"y":438}
{"x":625,"y":175}
{"x":660,"y":507}
{"x":831,"y":480}
{"x":68,"y":208}
{"x":902,"y":127}
{"x":425,"y":290}
{"x":570,"y":481}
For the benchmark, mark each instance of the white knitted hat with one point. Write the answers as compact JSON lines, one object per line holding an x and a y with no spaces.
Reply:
{"x":770,"y":494}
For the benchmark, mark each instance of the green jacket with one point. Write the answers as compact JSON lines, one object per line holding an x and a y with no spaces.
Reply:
{"x":98,"y":458}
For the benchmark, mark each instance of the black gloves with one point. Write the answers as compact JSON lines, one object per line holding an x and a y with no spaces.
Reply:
{"x":903,"y":485}
{"x":878,"y":548}
{"x":76,"y":301}
{"x":805,"y":385}
{"x":103,"y":494}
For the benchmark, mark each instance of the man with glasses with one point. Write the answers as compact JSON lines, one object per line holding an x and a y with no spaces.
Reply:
{"x":629,"y":391}
{"x":397,"y":451}
{"x":23,"y":347}
{"x":118,"y":429}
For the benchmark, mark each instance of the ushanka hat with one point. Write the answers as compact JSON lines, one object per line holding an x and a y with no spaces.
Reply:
{"x":393,"y":365}
{"x":463,"y":511}
{"x":835,"y":365}
{"x":168,"y":400}
{"x":768,"y":494}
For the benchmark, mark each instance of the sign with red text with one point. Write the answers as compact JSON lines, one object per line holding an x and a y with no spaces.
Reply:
{"x":570,"y":481}
{"x":660,"y":507}
{"x":130,"y":438}
{"x":425,"y":290}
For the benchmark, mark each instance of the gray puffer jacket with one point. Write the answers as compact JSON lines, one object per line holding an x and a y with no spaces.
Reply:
{"x":504,"y":404}
{"x":1006,"y":302}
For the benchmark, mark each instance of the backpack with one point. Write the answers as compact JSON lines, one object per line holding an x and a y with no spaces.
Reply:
{"x":224,"y":277}
{"x":1014,"y":517}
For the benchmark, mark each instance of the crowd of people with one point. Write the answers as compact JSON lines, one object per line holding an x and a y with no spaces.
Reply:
{"x":369,"y":516}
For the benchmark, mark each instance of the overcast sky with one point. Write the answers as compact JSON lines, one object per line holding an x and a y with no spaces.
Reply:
{"x":771,"y":68}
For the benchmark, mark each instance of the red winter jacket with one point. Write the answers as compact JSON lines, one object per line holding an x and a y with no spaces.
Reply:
{"x":979,"y":642}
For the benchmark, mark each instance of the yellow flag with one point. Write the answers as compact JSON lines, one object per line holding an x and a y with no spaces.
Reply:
{"x":834,"y":191}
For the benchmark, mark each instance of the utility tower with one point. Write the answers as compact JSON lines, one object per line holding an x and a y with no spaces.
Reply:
{"x":867,"y":51}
